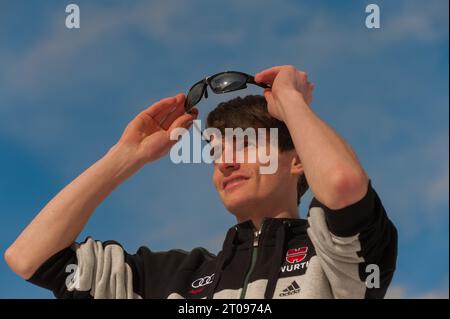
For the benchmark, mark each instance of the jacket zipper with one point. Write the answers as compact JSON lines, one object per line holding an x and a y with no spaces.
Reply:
{"x":253,"y":262}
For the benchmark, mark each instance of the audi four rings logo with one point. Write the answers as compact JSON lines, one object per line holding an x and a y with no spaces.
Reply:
{"x":201,"y":282}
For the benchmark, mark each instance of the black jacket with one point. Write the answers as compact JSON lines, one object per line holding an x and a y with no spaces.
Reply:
{"x":329,"y":255}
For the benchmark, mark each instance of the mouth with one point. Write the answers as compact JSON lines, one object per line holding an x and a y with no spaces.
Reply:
{"x":233,"y":182}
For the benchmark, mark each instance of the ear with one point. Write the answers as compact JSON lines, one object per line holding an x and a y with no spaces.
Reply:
{"x":296,"y":165}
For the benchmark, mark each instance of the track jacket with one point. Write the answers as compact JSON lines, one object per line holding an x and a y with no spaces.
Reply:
{"x":328,"y":255}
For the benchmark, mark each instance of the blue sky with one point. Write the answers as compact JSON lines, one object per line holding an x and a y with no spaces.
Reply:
{"x":66,"y":96}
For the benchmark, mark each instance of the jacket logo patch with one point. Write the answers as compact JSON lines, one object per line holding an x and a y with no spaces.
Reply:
{"x":296,"y":255}
{"x":292,"y":289}
{"x":196,"y":291}
{"x":199,"y":284}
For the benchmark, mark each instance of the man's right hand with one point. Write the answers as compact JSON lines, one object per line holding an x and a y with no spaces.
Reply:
{"x":58,"y":224}
{"x":147,"y":136}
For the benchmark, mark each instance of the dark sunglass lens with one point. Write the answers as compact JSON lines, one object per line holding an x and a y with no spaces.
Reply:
{"x":194,"y":95}
{"x":228,"y":82}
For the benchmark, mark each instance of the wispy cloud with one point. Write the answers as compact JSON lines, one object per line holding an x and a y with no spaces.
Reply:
{"x":421,"y":169}
{"x":324,"y":35}
{"x":416,"y":21}
{"x":39,"y":68}
{"x":51,"y":102}
{"x":172,"y":23}
{"x":403,"y":292}
{"x":60,"y":47}
{"x":436,"y":186}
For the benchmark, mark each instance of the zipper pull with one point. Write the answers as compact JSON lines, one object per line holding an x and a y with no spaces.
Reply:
{"x":256,"y":238}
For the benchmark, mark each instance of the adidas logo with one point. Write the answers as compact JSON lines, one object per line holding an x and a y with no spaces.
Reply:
{"x":292,"y":289}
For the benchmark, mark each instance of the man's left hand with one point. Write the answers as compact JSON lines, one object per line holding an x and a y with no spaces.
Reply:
{"x":284,"y":80}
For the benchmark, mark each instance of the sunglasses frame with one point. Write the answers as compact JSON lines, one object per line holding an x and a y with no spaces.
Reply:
{"x":207,"y":82}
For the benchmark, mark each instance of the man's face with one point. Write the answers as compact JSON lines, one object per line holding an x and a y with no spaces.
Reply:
{"x":245,"y":191}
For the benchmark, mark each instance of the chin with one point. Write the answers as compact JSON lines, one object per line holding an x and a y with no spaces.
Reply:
{"x":238,"y":204}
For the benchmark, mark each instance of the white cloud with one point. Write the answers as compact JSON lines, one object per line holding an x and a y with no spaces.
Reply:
{"x":60,"y":47}
{"x":321,"y":36}
{"x":403,"y":292}
{"x":436,"y":186}
{"x":411,"y":181}
{"x":324,"y":35}
{"x":322,"y":31}
{"x":420,"y":168}
{"x":396,"y":292}
{"x":435,"y":294}
{"x":417,"y":20}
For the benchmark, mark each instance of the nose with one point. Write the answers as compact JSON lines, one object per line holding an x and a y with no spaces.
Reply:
{"x":227,"y":167}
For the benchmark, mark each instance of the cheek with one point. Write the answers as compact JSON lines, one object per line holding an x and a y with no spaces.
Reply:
{"x":268,"y":182}
{"x":216,"y":178}
{"x":274,"y":183}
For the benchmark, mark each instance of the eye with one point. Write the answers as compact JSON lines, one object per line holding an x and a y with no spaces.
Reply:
{"x":214,"y":152}
{"x":250,"y":144}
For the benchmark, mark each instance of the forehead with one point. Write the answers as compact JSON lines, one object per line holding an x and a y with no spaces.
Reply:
{"x":248,"y":135}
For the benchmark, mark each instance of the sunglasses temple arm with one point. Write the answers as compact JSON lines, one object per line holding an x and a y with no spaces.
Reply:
{"x":201,"y":132}
{"x":251,"y":80}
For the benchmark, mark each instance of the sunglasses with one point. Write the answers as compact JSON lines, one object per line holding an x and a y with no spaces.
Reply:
{"x":222,"y":82}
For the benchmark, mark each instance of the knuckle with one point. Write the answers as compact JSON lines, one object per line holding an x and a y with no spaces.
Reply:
{"x":291,"y":67}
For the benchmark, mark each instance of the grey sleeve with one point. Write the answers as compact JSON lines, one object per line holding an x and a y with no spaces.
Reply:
{"x":90,"y":269}
{"x":356,"y":245}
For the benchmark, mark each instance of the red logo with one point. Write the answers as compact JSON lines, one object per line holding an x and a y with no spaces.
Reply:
{"x":196,"y":291}
{"x":296,"y":255}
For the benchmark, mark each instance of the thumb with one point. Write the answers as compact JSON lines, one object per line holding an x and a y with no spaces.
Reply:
{"x":269,"y":97}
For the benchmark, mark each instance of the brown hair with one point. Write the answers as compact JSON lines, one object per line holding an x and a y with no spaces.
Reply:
{"x":251,"y":111}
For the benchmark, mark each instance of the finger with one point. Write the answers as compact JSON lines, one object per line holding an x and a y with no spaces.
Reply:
{"x":171,"y":117}
{"x":268,"y":75}
{"x":268,"y":96}
{"x":308,"y":99}
{"x":184,"y":120}
{"x":193,"y":111}
{"x":303,"y":75}
{"x":310,"y":93}
{"x":164,"y":105}
{"x":166,"y":117}
{"x":176,"y":108}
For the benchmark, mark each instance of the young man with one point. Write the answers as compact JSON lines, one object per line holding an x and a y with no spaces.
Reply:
{"x":271,"y":253}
